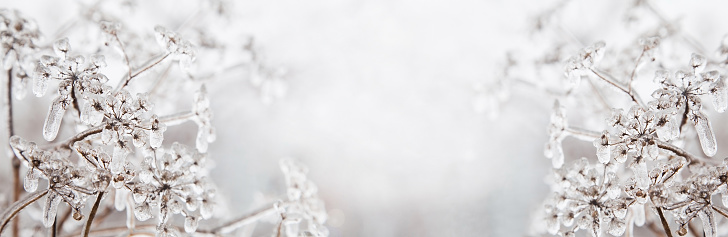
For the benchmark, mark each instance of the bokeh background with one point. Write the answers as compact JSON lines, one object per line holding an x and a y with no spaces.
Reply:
{"x":379,"y":105}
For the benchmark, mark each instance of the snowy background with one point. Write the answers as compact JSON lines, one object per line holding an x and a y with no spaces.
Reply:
{"x":379,"y":106}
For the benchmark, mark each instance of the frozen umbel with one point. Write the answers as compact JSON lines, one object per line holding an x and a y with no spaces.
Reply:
{"x":114,"y":159}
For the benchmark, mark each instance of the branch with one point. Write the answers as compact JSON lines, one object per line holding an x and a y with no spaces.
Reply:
{"x":634,"y":70}
{"x":232,"y":225}
{"x":13,"y":159}
{"x":664,"y":222}
{"x":680,"y":152}
{"x":123,"y":51}
{"x":148,"y":66}
{"x":91,"y":215}
{"x":618,"y":86}
{"x":16,"y":207}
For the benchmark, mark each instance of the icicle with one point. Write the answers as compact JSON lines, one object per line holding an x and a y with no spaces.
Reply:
{"x":705,"y":134}
{"x":121,"y":198}
{"x":708,"y":219}
{"x":53,"y":121}
{"x":720,"y":98}
{"x":639,"y":214}
{"x":50,"y":209}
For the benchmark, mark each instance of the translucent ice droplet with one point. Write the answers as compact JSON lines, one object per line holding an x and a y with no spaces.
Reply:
{"x":720,"y":99}
{"x":708,"y":219}
{"x":705,"y":135}
{"x":50,"y":209}
{"x":725,"y":200}
{"x":206,"y":210}
{"x":191,"y":223}
{"x":30,"y":183}
{"x":698,"y":62}
{"x":40,"y":82}
{"x":616,"y":227}
{"x":53,"y":121}
{"x":143,"y":212}
{"x":603,"y":153}
{"x":61,"y":47}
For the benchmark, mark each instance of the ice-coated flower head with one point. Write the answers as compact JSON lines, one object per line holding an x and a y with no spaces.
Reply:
{"x":18,"y":36}
{"x":172,"y":182}
{"x":66,"y":181}
{"x":303,"y":204}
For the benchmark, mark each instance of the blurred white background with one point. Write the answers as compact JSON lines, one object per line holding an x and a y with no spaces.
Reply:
{"x":379,"y":106}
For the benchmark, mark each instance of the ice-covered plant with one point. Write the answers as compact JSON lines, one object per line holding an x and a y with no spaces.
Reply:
{"x":645,"y":173}
{"x":114,"y":155}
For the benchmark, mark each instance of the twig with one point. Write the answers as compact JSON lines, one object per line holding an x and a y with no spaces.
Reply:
{"x":123,"y":51}
{"x":54,"y":228}
{"x":232,"y":225}
{"x":88,"y":132}
{"x":618,"y":86}
{"x":665,"y":225}
{"x":680,"y":152}
{"x":16,"y":207}
{"x":634,"y":70}
{"x":91,"y":215}
{"x":148,"y":66}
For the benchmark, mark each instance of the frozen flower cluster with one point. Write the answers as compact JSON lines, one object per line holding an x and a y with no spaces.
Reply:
{"x":105,"y":142}
{"x":653,"y":170}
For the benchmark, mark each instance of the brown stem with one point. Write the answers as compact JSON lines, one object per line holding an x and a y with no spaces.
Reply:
{"x":664,"y":222}
{"x":64,"y":218}
{"x":54,"y":228}
{"x":91,"y":215}
{"x":17,"y":206}
{"x":680,"y":152}
{"x":13,"y":160}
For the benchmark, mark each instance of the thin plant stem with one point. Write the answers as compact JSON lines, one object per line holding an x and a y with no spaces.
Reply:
{"x":665,"y":225}
{"x":148,"y":66}
{"x":17,"y":206}
{"x":680,"y":152}
{"x":618,"y":86}
{"x":232,"y":225}
{"x":634,"y":70}
{"x":91,"y":215}
{"x":13,"y":160}
{"x":123,"y":51}
{"x":54,"y":228}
